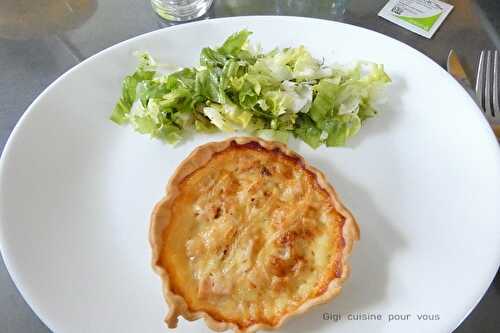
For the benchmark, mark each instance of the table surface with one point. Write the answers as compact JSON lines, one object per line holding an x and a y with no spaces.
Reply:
{"x":40,"y":40}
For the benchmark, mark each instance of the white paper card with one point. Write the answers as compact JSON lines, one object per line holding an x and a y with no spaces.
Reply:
{"x":420,"y":16}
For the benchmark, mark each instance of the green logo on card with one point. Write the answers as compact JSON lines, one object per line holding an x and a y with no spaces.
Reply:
{"x":425,"y":23}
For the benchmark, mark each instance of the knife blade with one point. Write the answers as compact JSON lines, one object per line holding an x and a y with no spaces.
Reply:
{"x":456,"y":69}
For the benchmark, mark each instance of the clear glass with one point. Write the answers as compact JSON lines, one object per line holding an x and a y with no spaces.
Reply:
{"x":181,"y":10}
{"x":338,"y":7}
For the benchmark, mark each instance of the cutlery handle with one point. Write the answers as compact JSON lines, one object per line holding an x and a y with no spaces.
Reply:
{"x":496,"y":130}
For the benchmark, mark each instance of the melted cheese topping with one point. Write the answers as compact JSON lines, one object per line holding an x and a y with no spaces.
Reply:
{"x":252,"y":237}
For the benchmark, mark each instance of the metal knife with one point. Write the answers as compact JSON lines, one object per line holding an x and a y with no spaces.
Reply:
{"x":456,"y":69}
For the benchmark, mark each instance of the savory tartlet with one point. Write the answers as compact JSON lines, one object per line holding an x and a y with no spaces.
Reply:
{"x":248,"y":235}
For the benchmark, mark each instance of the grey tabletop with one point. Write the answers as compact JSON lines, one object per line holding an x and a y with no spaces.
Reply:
{"x":40,"y":40}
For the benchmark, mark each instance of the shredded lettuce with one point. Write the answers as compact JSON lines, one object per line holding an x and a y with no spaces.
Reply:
{"x":274,"y":95}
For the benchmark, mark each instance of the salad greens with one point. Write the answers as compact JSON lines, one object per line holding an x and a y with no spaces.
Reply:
{"x":238,"y":87}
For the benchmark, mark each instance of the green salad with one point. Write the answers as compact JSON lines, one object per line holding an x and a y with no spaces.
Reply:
{"x":236,"y":86}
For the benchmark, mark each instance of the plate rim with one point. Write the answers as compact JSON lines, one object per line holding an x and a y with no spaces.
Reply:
{"x":12,"y":138}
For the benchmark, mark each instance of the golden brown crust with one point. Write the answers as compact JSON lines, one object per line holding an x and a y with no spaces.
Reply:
{"x":161,"y":217}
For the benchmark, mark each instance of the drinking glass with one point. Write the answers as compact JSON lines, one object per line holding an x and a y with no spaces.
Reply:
{"x":181,"y":10}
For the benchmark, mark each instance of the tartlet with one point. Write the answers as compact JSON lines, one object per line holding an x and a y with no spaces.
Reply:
{"x":249,"y":235}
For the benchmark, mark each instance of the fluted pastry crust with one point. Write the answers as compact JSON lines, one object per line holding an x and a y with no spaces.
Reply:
{"x":249,"y":235}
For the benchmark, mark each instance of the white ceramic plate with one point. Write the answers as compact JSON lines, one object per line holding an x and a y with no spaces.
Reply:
{"x":422,"y":178}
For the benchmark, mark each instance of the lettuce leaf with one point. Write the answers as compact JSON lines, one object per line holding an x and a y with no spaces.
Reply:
{"x":236,"y":86}
{"x":235,"y":43}
{"x":307,"y":131}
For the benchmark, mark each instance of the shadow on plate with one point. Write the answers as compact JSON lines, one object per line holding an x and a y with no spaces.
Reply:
{"x":370,"y":261}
